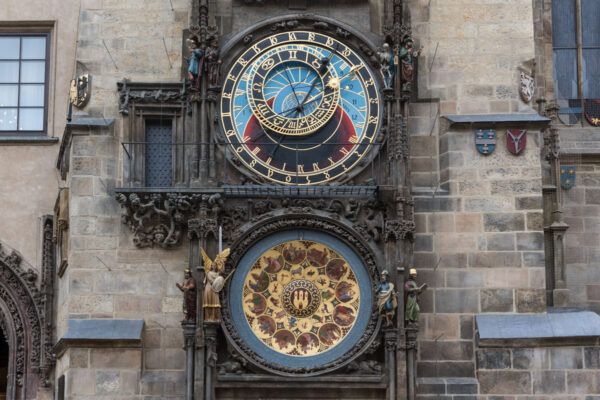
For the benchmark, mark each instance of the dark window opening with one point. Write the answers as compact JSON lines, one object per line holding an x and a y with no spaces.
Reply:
{"x":158,"y":153}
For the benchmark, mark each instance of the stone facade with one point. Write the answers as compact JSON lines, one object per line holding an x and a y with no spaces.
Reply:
{"x":483,"y":241}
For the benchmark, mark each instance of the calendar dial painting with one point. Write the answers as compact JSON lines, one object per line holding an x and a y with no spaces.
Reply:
{"x":300,"y":108}
{"x":301,"y":298}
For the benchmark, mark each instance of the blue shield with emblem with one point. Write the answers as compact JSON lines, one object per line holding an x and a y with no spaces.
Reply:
{"x":485,"y":140}
{"x":567,"y":176}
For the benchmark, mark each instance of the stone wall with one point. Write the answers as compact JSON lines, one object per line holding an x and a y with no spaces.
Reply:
{"x":534,"y":373}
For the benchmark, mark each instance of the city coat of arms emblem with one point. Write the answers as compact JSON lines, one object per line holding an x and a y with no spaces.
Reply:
{"x":516,"y":140}
{"x":485,"y":140}
{"x":567,"y":177}
{"x":591,"y":110}
{"x":526,"y":87}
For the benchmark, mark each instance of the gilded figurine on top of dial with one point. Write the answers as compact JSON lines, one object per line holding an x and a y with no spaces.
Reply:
{"x":213,"y":284}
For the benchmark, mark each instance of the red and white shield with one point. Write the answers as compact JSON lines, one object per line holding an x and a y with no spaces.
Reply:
{"x":516,"y":140}
{"x":526,"y":87}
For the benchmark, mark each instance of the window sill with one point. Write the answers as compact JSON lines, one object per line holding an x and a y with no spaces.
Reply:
{"x":27,"y":140}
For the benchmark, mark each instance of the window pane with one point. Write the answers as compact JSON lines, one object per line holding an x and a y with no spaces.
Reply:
{"x":31,"y":119}
{"x":9,"y":47}
{"x":9,"y":71}
{"x":590,"y":22}
{"x":591,"y":73}
{"x":563,"y":23}
{"x":9,"y":95}
{"x":8,"y":119}
{"x":565,"y":74}
{"x":32,"y":71}
{"x":34,"y":47}
{"x":32,"y":95}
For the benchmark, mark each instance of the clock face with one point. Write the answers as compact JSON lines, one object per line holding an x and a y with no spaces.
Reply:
{"x":300,"y":298}
{"x":300,"y":108}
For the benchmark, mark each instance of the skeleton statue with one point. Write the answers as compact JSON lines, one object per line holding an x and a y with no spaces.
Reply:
{"x":387,"y":69}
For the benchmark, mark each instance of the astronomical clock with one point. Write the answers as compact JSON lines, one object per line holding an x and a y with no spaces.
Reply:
{"x":306,"y":120}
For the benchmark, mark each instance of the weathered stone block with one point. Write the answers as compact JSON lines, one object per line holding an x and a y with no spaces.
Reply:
{"x":423,"y":243}
{"x":548,"y":382}
{"x":592,"y":357}
{"x":487,"y":204}
{"x":115,"y":358}
{"x":456,"y":301}
{"x":528,"y":203}
{"x":461,"y":386}
{"x":464,"y":279}
{"x":441,"y":223}
{"x":516,"y":187}
{"x":460,"y":242}
{"x":81,"y":382}
{"x":79,"y":358}
{"x":530,"y":241}
{"x":492,"y":259}
{"x":468,"y":223}
{"x":85,"y":166}
{"x":450,"y":369}
{"x":437,"y":204}
{"x":501,"y":241}
{"x":537,"y":358}
{"x":497,"y":300}
{"x":592,"y":196}
{"x":446,"y":350}
{"x":493,"y":359}
{"x":533,"y":259}
{"x":431,"y":386}
{"x":108,"y":382}
{"x":583,"y":382}
{"x":503,"y":222}
{"x":531,"y":300}
{"x":442,"y":327}
{"x":504,"y":382}
{"x":81,"y":186}
{"x":466,"y":327}
{"x":452,"y":260}
{"x":566,"y":358}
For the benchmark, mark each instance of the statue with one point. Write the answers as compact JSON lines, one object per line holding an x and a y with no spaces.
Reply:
{"x":387,"y":69}
{"x":386,"y":298}
{"x":213,"y":63}
{"x":406,"y":57}
{"x":188,"y":287}
{"x":411,"y":293}
{"x":195,"y":62}
{"x":213,"y":283}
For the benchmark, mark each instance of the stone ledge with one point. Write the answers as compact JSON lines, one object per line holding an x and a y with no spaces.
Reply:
{"x":555,"y":328}
{"x":495,"y":118}
{"x":101,"y":333}
{"x":27,"y":140}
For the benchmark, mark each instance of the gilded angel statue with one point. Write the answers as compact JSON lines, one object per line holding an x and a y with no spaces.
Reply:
{"x":213,"y":283}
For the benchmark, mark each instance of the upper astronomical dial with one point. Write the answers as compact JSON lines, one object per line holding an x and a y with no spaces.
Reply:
{"x":300,"y":108}
{"x":291,"y":91}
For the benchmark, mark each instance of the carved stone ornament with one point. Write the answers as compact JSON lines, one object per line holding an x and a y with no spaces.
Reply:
{"x":23,"y":318}
{"x":134,"y":93}
{"x":396,"y":229}
{"x":299,"y":220}
{"x":158,"y":218}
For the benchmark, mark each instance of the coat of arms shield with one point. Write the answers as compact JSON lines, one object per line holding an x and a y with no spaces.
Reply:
{"x":526,"y":87}
{"x":485,"y":140}
{"x":567,"y":177}
{"x":516,"y":140}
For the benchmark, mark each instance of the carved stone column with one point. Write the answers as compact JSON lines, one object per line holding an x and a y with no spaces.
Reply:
{"x":211,"y":330}
{"x":390,"y":339}
{"x":411,"y":348}
{"x":189,"y":335}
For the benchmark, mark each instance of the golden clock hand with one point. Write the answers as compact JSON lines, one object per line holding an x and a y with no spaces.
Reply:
{"x":324,"y":63}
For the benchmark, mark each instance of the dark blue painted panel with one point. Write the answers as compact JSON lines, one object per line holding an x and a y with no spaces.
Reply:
{"x":158,"y":153}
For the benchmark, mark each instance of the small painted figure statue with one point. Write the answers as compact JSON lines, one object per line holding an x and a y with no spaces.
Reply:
{"x":411,"y":297}
{"x":406,"y":57}
{"x":387,"y":69}
{"x":386,"y":298}
{"x":213,"y":283}
{"x":188,"y":287}
{"x":213,"y":63}
{"x":195,"y":63}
